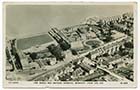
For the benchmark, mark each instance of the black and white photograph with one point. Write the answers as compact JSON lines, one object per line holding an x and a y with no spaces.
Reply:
{"x":69,"y":45}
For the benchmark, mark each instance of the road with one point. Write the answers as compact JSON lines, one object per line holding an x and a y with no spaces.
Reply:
{"x":113,"y":74}
{"x":58,"y":66}
{"x":66,"y":61}
{"x":62,"y":64}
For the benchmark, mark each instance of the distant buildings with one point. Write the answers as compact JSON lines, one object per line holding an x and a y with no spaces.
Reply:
{"x":79,"y":47}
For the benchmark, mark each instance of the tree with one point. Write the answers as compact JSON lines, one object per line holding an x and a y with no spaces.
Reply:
{"x":88,"y":55}
{"x":74,"y":52}
{"x":56,"y":51}
{"x":128,"y":45}
{"x":64,"y":45}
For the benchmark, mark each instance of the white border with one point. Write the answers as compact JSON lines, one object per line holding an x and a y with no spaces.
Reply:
{"x":108,"y":84}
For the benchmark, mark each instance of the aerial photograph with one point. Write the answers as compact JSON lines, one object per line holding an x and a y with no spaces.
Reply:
{"x":74,"y":42}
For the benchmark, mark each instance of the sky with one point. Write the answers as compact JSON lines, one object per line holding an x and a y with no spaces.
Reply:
{"x":28,"y":20}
